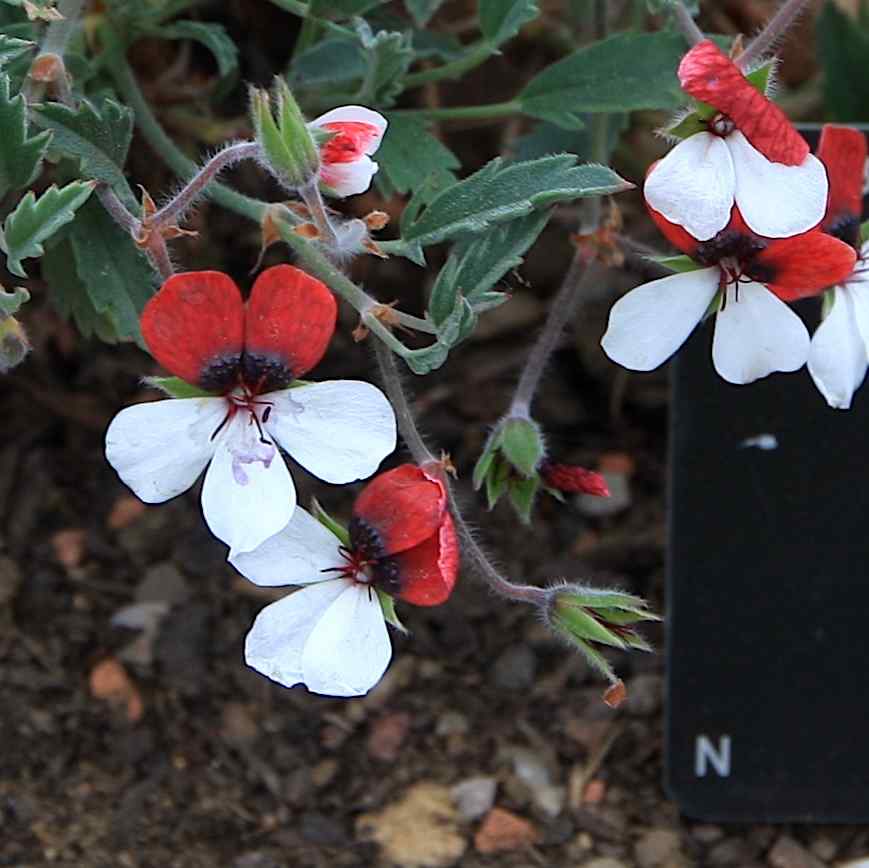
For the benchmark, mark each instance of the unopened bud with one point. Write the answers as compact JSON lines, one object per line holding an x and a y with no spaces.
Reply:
{"x":287,"y":145}
{"x":522,"y":445}
{"x":572,"y":479}
{"x":14,"y":345}
{"x":588,"y":617}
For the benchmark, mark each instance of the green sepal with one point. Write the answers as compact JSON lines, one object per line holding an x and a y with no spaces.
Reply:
{"x":175,"y":387}
{"x":496,"y":481}
{"x":828,"y":299}
{"x":10,"y":302}
{"x":714,"y":305}
{"x":522,"y":445}
{"x":387,"y":606}
{"x":484,"y":462}
{"x":330,"y":523}
{"x":864,"y":232}
{"x":595,"y":659}
{"x":580,"y":625}
{"x":679,"y":263}
{"x":523,"y":493}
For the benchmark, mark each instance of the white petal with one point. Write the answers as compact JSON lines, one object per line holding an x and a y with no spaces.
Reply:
{"x":275,"y":642}
{"x":160,"y":448}
{"x":756,"y":335}
{"x":297,"y":555}
{"x":248,"y":494}
{"x":651,"y":322}
{"x":777,"y":200}
{"x":349,"y":179}
{"x":858,"y":290}
{"x":348,"y":649}
{"x":837,"y":358}
{"x":340,"y":430}
{"x":693,"y":185}
{"x":356,"y":114}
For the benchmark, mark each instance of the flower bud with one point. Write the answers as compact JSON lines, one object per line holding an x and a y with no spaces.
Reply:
{"x":288,"y":146}
{"x":572,"y":479}
{"x":14,"y":345}
{"x":589,"y":617}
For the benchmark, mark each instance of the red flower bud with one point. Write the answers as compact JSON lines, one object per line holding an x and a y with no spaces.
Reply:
{"x":573,"y":479}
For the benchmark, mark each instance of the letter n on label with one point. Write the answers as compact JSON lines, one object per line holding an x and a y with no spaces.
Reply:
{"x":707,"y":754}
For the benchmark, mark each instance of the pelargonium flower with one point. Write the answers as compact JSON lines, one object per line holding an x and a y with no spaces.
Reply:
{"x":745,"y":279}
{"x":839,"y":353}
{"x":750,"y":155}
{"x":345,"y":165}
{"x":331,"y":635}
{"x":246,"y":359}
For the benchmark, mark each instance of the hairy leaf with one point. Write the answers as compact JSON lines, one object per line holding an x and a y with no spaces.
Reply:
{"x":409,"y":155}
{"x":97,"y":136}
{"x":213,"y":36}
{"x":36,"y":220}
{"x":20,"y":156}
{"x":498,"y":193}
{"x":12,"y":48}
{"x":475,"y":266}
{"x":422,"y":10}
{"x":329,"y":65}
{"x":387,"y":58}
{"x":116,"y":275}
{"x":10,"y":302}
{"x":501,"y":20}
{"x":628,"y":71}
{"x":342,"y":8}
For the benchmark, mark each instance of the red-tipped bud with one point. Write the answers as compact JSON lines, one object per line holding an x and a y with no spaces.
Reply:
{"x":572,"y":479}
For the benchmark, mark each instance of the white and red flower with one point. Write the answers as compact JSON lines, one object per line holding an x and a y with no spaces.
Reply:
{"x":248,"y":357}
{"x":331,"y":635}
{"x":750,"y":156}
{"x":746,"y":279}
{"x":839,"y":353}
{"x":346,"y":167}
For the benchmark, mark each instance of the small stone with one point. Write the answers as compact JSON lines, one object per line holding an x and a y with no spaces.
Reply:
{"x":70,"y":546}
{"x":731,"y":851}
{"x":320,"y":829}
{"x":474,"y":797}
{"x":706,"y":833}
{"x":255,"y":859}
{"x":324,"y":773}
{"x":594,"y":792}
{"x":604,"y":862}
{"x":10,"y":579}
{"x":788,"y":853}
{"x":502,"y":831}
{"x":515,"y":668}
{"x":451,"y":723}
{"x":658,"y":848}
{"x":125,"y":511}
{"x":387,"y":736}
{"x":824,"y":848}
{"x":238,"y":726}
{"x":645,"y":695}
{"x":418,"y":831}
{"x":162,"y":583}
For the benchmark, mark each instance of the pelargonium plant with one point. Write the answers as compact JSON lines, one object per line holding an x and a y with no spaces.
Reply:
{"x":758,"y":219}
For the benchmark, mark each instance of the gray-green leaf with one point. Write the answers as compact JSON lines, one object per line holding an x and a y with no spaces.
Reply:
{"x":501,"y":20}
{"x":97,"y":136}
{"x":20,"y":156}
{"x":626,"y":72}
{"x":10,"y":302}
{"x":12,"y":48}
{"x":498,"y":193}
{"x":422,"y":10}
{"x":213,"y":36}
{"x":36,"y":220}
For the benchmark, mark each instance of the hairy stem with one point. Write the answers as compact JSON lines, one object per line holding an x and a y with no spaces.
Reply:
{"x":421,"y":454}
{"x":560,"y":311}
{"x":776,"y":27}
{"x":403,"y":414}
{"x":154,"y":134}
{"x":475,"y":54}
{"x":686,"y":23}
{"x":58,"y":33}
{"x":313,"y":198}
{"x":175,"y":209}
{"x":118,"y":211}
{"x":492,"y":111}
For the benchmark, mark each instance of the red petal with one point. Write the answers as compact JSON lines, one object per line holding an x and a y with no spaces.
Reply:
{"x":803,"y":265}
{"x":405,"y":506}
{"x":350,"y":141}
{"x":573,"y":479}
{"x":707,"y":74}
{"x":842,"y":150}
{"x":194,"y":327}
{"x":428,"y":571}
{"x":290,"y":321}
{"x":679,"y":237}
